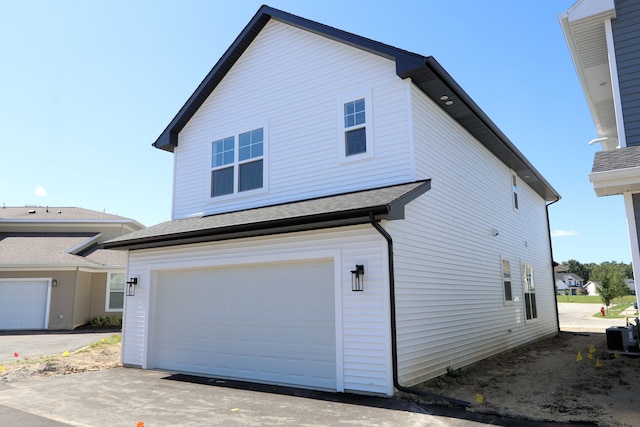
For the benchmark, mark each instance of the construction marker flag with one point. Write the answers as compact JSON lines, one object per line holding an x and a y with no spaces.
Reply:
{"x":598,"y":363}
{"x":592,"y":349}
{"x":615,"y":354}
{"x":479,"y":398}
{"x":2,"y":368}
{"x":579,"y":357}
{"x":590,"y":355}
{"x":16,"y":355}
{"x":65,"y":354}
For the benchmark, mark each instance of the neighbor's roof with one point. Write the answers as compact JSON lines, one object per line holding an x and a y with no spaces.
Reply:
{"x":323,"y":212}
{"x":424,"y":71}
{"x":57,"y":214}
{"x":53,"y":250}
{"x":622,"y":158}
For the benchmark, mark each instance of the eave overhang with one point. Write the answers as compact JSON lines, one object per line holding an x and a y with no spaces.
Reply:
{"x":424,"y":71}
{"x":354,"y":208}
{"x":584,"y":28}
{"x":616,"y":172}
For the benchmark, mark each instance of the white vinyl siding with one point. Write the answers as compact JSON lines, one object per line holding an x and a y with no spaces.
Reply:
{"x":296,"y":83}
{"x":363,"y":359}
{"x":446,"y":254}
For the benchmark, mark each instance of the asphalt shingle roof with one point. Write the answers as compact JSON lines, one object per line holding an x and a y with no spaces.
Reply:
{"x":622,"y":158}
{"x":331,"y":211}
{"x":46,"y":214}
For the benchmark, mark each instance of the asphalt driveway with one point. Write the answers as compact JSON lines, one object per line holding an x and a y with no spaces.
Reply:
{"x":30,"y":345}
{"x":579,"y":318}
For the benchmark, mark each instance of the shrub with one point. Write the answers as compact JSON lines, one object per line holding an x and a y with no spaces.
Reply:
{"x":115,"y":320}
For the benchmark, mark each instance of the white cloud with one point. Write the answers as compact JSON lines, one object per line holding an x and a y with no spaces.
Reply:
{"x":40,"y":191}
{"x":563,"y":233}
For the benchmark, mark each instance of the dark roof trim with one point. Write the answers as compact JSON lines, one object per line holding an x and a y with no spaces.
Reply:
{"x":425,"y":72}
{"x":198,"y":230}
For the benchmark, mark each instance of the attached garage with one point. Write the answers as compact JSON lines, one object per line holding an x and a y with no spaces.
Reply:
{"x":268,"y":322}
{"x":24,"y":304}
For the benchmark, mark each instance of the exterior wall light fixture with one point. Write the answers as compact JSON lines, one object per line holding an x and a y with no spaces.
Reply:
{"x":54,"y":282}
{"x":131,"y":286}
{"x":357,"y":278}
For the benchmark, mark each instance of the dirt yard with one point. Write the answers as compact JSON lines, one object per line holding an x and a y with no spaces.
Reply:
{"x":94,"y":358}
{"x":541,"y":381}
{"x":546,"y":381}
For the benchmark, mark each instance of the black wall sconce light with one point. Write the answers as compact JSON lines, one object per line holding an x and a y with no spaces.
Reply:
{"x":54,"y":283}
{"x":357,"y":278}
{"x":131,"y":286}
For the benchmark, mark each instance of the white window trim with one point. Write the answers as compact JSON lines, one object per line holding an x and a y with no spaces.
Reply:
{"x":504,"y":295}
{"x":236,"y":163}
{"x":368,"y":125}
{"x":108,"y":292}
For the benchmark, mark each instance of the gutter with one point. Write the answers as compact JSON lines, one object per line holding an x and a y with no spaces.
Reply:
{"x":553,"y":276}
{"x":394,"y":338}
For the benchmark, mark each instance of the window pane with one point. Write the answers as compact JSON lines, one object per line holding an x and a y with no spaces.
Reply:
{"x":244,"y":153}
{"x":116,"y":300}
{"x":250,"y":176}
{"x":355,"y":142}
{"x":360,"y":118}
{"x":222,"y":182}
{"x":354,"y":113}
{"x":116,"y":281}
{"x":222,"y":152}
{"x":349,"y":121}
{"x":244,"y":140}
{"x":256,"y":150}
{"x":507,"y":291}
{"x":359,"y":105}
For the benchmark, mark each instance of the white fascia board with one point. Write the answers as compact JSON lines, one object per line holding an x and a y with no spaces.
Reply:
{"x":588,"y":8}
{"x":617,"y":181}
{"x":74,"y":250}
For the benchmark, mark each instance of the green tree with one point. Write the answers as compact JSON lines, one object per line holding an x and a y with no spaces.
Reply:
{"x":576,"y":267}
{"x":609,"y":280}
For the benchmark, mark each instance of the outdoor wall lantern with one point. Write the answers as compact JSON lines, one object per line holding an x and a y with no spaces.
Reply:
{"x":54,"y":282}
{"x":131,"y":286}
{"x":357,"y":279}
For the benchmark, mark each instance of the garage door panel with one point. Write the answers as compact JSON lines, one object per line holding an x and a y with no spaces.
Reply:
{"x":256,"y":322}
{"x":23,"y":304}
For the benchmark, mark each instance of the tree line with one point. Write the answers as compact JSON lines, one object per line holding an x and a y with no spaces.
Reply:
{"x":609,"y":277}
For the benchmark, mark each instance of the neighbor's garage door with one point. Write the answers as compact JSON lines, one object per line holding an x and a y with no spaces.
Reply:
{"x":271,"y":323}
{"x":23,"y":304}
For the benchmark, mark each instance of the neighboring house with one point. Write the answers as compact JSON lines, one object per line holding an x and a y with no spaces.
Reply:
{"x":631,"y":284}
{"x":569,"y":283}
{"x":604,"y":41}
{"x":54,"y":273}
{"x":591,"y":288}
{"x":345,"y":218}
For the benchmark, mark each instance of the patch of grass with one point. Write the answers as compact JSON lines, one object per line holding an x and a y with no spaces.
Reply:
{"x":614,"y":312}
{"x":105,"y":342}
{"x":594,"y":299}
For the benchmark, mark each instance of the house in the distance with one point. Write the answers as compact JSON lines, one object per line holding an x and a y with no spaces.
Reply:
{"x":345,"y":218}
{"x":604,"y":41}
{"x":569,"y":283}
{"x":54,"y":273}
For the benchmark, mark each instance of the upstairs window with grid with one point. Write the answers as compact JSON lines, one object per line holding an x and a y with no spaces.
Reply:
{"x":355,"y":135}
{"x":237,"y":167}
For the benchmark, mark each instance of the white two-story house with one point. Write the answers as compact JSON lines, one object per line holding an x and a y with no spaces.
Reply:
{"x":345,"y":218}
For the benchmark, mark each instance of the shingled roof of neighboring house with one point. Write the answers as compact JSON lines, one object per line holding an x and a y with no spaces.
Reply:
{"x":54,"y":214}
{"x":339,"y":210}
{"x":424,"y":71}
{"x":53,"y":249}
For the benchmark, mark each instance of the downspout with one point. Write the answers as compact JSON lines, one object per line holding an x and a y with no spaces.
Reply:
{"x":394,"y":346}
{"x":553,"y":276}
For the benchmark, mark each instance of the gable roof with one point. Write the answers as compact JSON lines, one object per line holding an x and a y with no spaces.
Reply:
{"x":353,"y":208}
{"x":424,"y":71}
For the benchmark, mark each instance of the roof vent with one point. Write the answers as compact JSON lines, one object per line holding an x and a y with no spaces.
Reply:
{"x":32,"y":211}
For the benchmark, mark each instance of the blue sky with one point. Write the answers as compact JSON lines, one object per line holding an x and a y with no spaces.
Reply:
{"x":87,"y":86}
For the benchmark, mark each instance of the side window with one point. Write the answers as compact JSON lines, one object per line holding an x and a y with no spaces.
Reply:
{"x":115,"y":292}
{"x":506,"y":280}
{"x":529,"y":288}
{"x":237,"y":167}
{"x":355,"y":134}
{"x":514,"y":183}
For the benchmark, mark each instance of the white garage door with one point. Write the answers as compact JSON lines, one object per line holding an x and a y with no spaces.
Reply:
{"x":24,"y":304}
{"x":272,"y":323}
